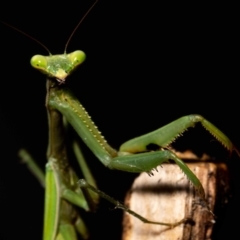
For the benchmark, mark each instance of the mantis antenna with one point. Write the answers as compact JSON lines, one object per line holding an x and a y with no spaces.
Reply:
{"x":41,"y":44}
{"x":29,"y":36}
{"x":74,"y":30}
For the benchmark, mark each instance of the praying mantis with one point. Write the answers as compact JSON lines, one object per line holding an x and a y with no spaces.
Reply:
{"x":162,"y":105}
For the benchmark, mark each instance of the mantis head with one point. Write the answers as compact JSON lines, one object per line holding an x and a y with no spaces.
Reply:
{"x":58,"y":66}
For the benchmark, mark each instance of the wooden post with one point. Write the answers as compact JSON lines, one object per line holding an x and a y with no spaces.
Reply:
{"x":168,"y":196}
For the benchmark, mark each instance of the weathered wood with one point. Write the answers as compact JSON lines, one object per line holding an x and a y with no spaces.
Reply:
{"x":169,"y":197}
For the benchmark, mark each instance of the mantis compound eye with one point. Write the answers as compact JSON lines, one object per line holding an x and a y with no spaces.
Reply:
{"x":77,"y":57}
{"x":39,"y":62}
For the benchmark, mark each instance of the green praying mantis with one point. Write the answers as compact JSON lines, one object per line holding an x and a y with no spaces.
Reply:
{"x":134,"y":156}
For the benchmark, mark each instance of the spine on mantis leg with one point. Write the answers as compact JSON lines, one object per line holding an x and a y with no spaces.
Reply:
{"x":76,"y":115}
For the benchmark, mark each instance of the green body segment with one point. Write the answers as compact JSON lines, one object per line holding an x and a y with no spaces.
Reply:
{"x":82,"y":228}
{"x":168,"y":133}
{"x":77,"y":116}
{"x":76,"y":198}
{"x":218,"y":134}
{"x":86,"y":171}
{"x":32,"y":166}
{"x":147,"y":162}
{"x":52,"y":203}
{"x":66,"y":232}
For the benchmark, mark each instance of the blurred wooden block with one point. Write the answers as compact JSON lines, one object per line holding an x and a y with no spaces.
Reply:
{"x":169,"y":197}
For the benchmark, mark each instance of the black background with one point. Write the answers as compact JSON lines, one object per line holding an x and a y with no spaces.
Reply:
{"x":147,"y":64}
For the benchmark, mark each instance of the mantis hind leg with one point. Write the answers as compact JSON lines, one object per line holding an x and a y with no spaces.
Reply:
{"x":84,"y":184}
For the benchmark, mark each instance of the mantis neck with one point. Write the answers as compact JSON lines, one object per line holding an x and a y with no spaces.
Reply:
{"x":56,"y":144}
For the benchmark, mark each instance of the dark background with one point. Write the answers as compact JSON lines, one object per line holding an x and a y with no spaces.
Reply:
{"x":147,"y":64}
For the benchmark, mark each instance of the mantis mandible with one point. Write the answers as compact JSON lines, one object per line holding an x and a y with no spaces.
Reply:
{"x":65,"y":113}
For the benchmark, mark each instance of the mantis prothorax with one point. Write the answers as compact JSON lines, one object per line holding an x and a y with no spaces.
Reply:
{"x":62,"y":190}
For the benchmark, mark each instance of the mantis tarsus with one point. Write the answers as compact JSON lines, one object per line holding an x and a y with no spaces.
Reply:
{"x":162,"y":106}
